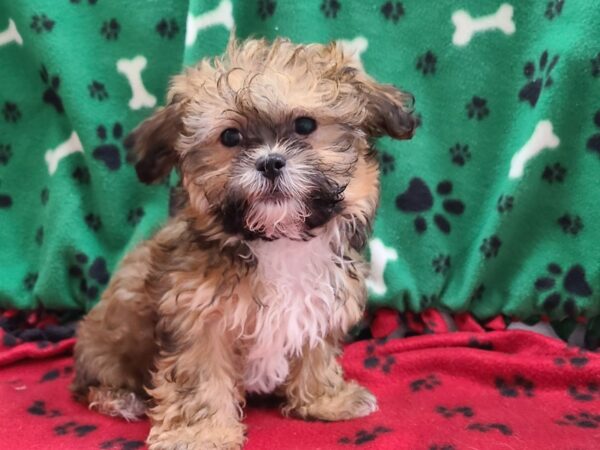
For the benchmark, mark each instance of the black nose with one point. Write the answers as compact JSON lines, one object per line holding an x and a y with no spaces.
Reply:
{"x":270,"y":166}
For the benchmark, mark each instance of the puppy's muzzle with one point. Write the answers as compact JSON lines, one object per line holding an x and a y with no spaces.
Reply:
{"x":271,"y":166}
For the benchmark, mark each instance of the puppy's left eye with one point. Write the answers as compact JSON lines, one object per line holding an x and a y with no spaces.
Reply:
{"x":305,"y":125}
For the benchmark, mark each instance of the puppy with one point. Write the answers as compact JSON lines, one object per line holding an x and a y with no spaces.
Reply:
{"x":254,"y":282}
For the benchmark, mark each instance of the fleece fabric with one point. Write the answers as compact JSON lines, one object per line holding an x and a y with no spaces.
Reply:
{"x":492,"y":207}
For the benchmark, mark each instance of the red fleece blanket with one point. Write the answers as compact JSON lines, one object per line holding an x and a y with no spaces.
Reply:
{"x":464,"y":390}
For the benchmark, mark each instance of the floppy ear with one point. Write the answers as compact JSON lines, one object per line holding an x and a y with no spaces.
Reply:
{"x":151,"y":145}
{"x":389,"y":110}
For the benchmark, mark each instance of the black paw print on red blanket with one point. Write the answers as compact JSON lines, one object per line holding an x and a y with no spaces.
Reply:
{"x":581,"y":419}
{"x":121,"y":444}
{"x":372,"y":361}
{"x":516,"y":387}
{"x":418,"y":198}
{"x":363,"y":436}
{"x":51,"y":95}
{"x":38,"y":408}
{"x":589,"y":392}
{"x":561,"y":286}
{"x":54,"y":374}
{"x":487,"y":427}
{"x":480,"y":345}
{"x":538,"y":79}
{"x":578,"y":361}
{"x":75,"y":428}
{"x":441,"y":447}
{"x":90,"y":276}
{"x":448,"y":413}
{"x":593,"y":143}
{"x":108,"y":152}
{"x":429,"y":383}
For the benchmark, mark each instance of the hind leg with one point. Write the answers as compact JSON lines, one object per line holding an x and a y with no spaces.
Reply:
{"x":115,"y":344}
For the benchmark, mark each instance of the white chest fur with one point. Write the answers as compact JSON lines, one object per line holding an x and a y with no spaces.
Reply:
{"x":298,"y":286}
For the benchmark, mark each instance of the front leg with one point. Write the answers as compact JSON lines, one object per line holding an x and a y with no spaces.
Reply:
{"x":316,"y":388}
{"x":196,"y":393}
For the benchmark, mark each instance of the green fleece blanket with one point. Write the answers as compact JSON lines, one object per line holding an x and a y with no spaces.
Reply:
{"x":493,"y":207}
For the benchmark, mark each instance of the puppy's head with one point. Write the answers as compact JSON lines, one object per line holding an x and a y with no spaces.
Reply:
{"x":272,"y":140}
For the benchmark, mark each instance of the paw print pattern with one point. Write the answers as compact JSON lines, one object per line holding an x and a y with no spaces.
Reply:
{"x":40,"y":23}
{"x":386,"y":162}
{"x":364,"y":436}
{"x":486,"y":427}
{"x":441,"y":447}
{"x":110,"y":29}
{"x":477,"y":108}
{"x":595,"y":62}
{"x":93,"y":221}
{"x":44,"y":196}
{"x":54,"y":374}
{"x":51,"y":95}
{"x":97,"y":90}
{"x":38,"y":408}
{"x":121,"y":444}
{"x":427,"y":301}
{"x":90,"y":2}
{"x":39,"y":236}
{"x":477,"y":293}
{"x":5,"y":154}
{"x":593,"y":143}
{"x":373,"y":361}
{"x":429,"y":383}
{"x":574,"y":284}
{"x":30,"y":280}
{"x":11,"y":112}
{"x":459,"y":154}
{"x":81,"y":174}
{"x":570,"y":224}
{"x":490,"y":247}
{"x":577,"y":362}
{"x":266,"y":8}
{"x":135,"y":215}
{"x":554,"y":173}
{"x":426,"y":63}
{"x":441,"y":264}
{"x":73,"y":427}
{"x":480,"y":345}
{"x":538,"y":79}
{"x":448,"y":413}
{"x":554,"y":9}
{"x":90,"y":278}
{"x":588,"y":393}
{"x":167,"y":28}
{"x":505,"y":203}
{"x":330,"y":8}
{"x":419,"y":199}
{"x":392,"y":11}
{"x":519,"y":386}
{"x":582,"y":419}
{"x":108,"y":153}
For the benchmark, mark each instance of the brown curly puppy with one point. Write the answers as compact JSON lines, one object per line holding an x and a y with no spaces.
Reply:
{"x":253,"y":284}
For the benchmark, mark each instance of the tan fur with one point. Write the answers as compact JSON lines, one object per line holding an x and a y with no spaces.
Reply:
{"x":185,"y":309}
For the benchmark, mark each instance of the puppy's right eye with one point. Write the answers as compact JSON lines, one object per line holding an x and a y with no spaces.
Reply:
{"x":231,"y":137}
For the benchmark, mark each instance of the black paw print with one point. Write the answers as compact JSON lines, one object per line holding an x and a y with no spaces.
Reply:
{"x":331,"y":8}
{"x":393,"y":11}
{"x":167,"y":28}
{"x":429,"y":383}
{"x":93,"y":221}
{"x":441,"y":447}
{"x":574,"y":284}
{"x":81,"y":174}
{"x":477,"y":108}
{"x":505,"y":203}
{"x":110,"y":29}
{"x":41,"y":23}
{"x":490,"y":247}
{"x":419,"y":199}
{"x":97,"y":90}
{"x":44,"y":196}
{"x":577,"y":362}
{"x":460,"y":154}
{"x":89,"y":278}
{"x":441,"y":264}
{"x":109,"y":153}
{"x":480,"y":345}
{"x":121,"y":444}
{"x":448,"y":413}
{"x":519,"y":386}
{"x":593,"y":143}
{"x":554,"y":8}
{"x":50,"y":95}
{"x":5,"y":201}
{"x":39,"y":236}
{"x":582,"y":419}
{"x":73,"y":427}
{"x":485,"y":427}
{"x":90,"y":2}
{"x":586,"y":394}
{"x":135,"y":215}
{"x":554,"y":173}
{"x":386,"y":161}
{"x":11,"y":112}
{"x":30,"y":280}
{"x":570,"y":224}
{"x":54,"y":374}
{"x":426,"y":63}
{"x":425,"y":302}
{"x":266,"y":8}
{"x":38,"y":408}
{"x":537,"y":82}
{"x":596,"y":65}
{"x":5,"y":154}
{"x":373,"y":362}
{"x":364,"y":436}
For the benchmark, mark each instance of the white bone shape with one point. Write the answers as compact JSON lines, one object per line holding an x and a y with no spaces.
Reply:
{"x":221,"y":15}
{"x":53,"y":156}
{"x":11,"y":34}
{"x":467,"y":26}
{"x":355,"y":48}
{"x":380,"y":256}
{"x":132,"y":69}
{"x":543,"y":137}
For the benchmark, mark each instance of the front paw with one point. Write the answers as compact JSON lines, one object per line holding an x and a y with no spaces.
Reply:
{"x":201,"y":436}
{"x":350,"y":401}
